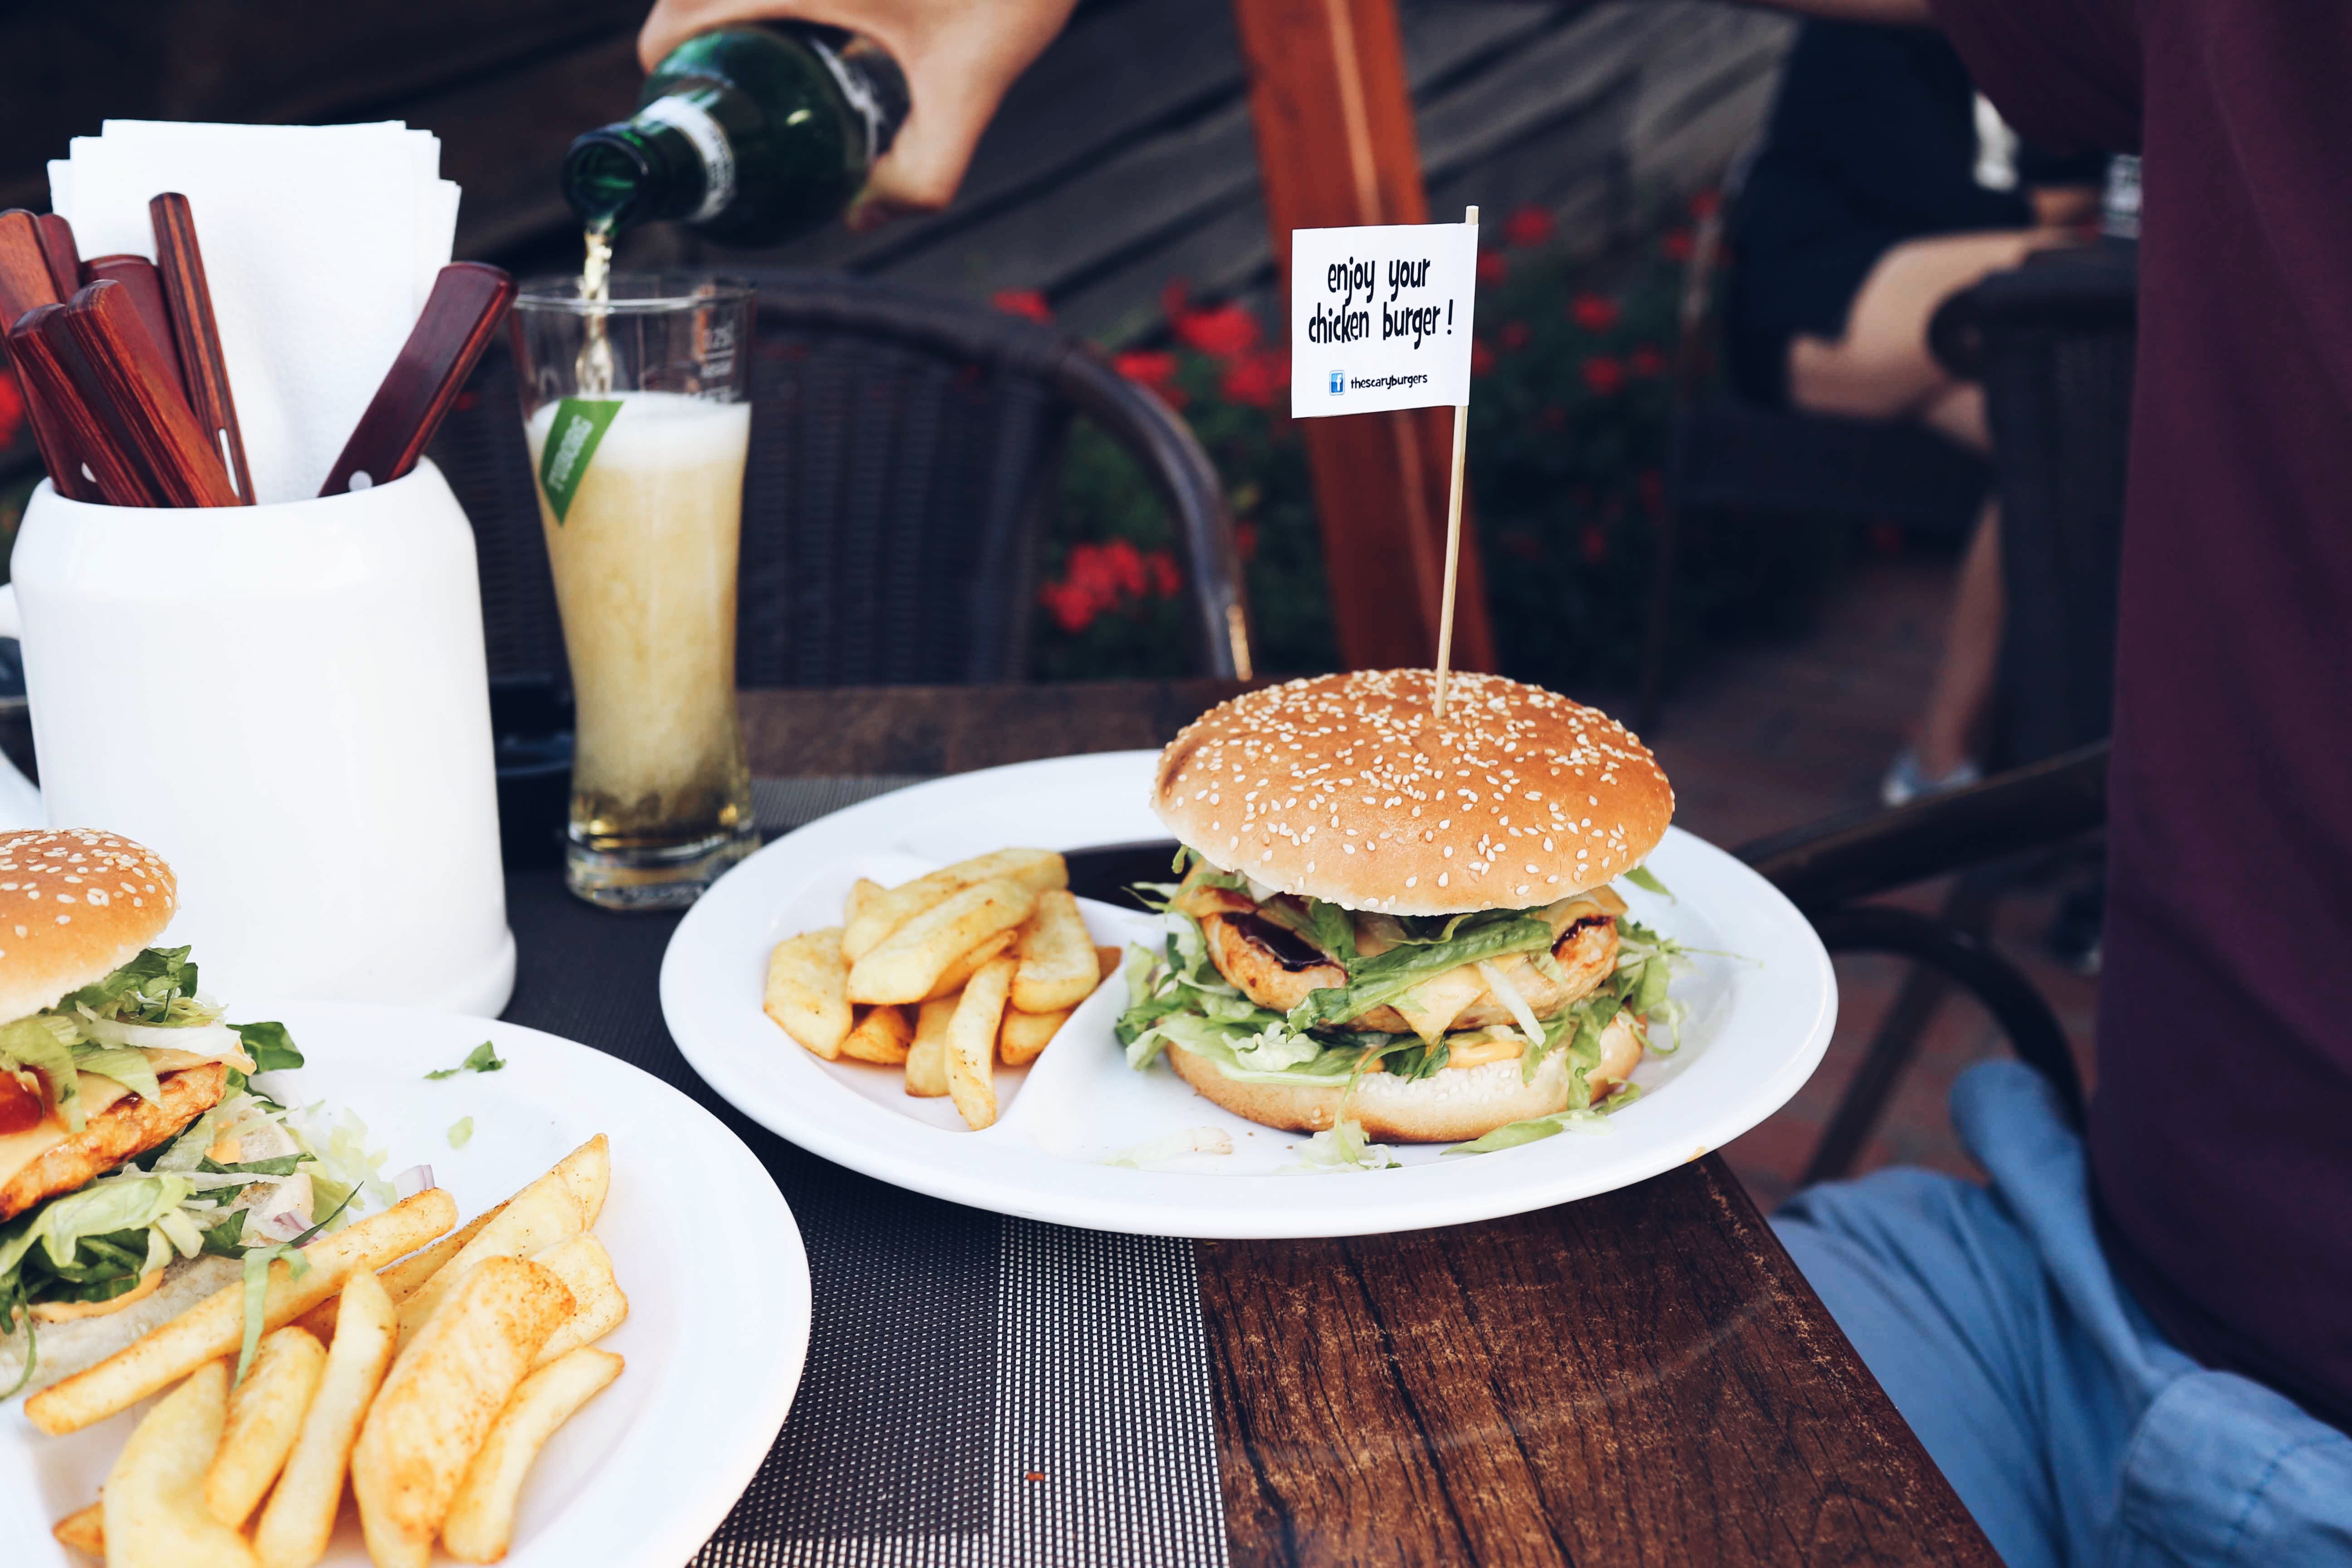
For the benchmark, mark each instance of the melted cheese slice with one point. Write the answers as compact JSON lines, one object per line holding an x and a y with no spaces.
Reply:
{"x":19,"y":1149}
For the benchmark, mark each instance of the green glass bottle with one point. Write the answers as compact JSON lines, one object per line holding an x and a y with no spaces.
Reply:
{"x":750,"y":135}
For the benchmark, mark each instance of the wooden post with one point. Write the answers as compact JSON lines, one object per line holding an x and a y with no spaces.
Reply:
{"x":1335,"y":149}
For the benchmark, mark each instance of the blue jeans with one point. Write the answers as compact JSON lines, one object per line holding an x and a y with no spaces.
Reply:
{"x":2075,"y":1431}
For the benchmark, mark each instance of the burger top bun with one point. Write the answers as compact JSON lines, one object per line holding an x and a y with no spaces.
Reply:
{"x":1346,"y":788}
{"x":75,"y":905}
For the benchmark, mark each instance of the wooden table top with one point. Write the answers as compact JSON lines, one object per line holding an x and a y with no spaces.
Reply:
{"x":1642,"y":1377}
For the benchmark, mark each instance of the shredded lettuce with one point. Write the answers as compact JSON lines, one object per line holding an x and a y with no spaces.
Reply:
{"x":44,"y":1044}
{"x":126,"y":1065}
{"x":1647,"y":880}
{"x":257,"y":1294}
{"x":1344,"y":1147}
{"x":1191,"y":1140}
{"x":1376,"y":981}
{"x":1540,"y":1127}
{"x":147,"y":990}
{"x":483,"y":1057}
{"x":270,"y":1047}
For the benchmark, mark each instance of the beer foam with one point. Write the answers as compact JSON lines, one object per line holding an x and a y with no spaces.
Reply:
{"x":661,"y":430}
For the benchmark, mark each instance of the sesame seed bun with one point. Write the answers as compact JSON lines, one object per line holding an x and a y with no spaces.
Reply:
{"x":1446,"y":1107}
{"x":75,"y":905}
{"x":1345,"y":788}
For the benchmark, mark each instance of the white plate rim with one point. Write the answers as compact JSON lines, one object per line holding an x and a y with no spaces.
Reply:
{"x":1154,"y":1202}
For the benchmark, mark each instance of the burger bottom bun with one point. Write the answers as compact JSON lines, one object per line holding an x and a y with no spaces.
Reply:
{"x":1449,"y":1106}
{"x":67,"y":1347}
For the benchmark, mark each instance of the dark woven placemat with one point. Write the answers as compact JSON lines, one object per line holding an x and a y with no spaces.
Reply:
{"x":979,"y":1391}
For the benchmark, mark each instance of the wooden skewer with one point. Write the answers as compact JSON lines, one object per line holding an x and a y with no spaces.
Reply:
{"x":57,"y":246}
{"x":175,"y":450}
{"x":467,"y":301}
{"x":181,"y":265}
{"x":145,"y":286}
{"x":60,"y":380}
{"x":26,"y":285}
{"x":1453,"y":529}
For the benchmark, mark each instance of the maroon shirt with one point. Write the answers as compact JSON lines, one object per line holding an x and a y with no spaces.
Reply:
{"x":2220,"y":1134}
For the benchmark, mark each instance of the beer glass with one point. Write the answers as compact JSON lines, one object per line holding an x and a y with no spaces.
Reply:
{"x":638,"y":424}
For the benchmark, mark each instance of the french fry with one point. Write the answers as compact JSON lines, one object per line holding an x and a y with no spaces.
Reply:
{"x":862,"y":893}
{"x":480,"y":1524}
{"x":907,"y":963}
{"x":926,"y":1062}
{"x":587,"y":1175}
{"x":300,"y":1517}
{"x":882,"y":1035}
{"x":959,"y":974}
{"x":804,"y":996}
{"x":152,"y":1505}
{"x":441,"y":1398}
{"x":556,"y":1207}
{"x":598,"y":1307}
{"x":971,"y":1043}
{"x":1057,"y":966}
{"x":83,"y":1530}
{"x":1023,"y":1036}
{"x":877,"y":916}
{"x":402,"y":1277}
{"x":264,"y":1414}
{"x":213,"y":1327}
{"x":1111,"y":961}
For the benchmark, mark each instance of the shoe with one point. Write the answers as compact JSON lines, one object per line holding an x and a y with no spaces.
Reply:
{"x":1905,"y":783}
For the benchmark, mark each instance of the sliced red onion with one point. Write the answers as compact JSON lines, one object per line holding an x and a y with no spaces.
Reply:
{"x":413,"y":1181}
{"x":279,"y":1224}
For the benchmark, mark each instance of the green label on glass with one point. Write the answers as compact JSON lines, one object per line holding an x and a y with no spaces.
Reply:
{"x":571,"y":441}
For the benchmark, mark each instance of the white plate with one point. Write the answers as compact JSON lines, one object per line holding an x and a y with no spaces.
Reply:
{"x":1762,"y":1005}
{"x":701,"y":1241}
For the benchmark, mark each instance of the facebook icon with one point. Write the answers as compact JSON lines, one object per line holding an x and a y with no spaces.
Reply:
{"x":1338,"y":382}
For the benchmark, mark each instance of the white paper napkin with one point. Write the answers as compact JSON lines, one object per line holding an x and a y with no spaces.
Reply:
{"x":321,"y":244}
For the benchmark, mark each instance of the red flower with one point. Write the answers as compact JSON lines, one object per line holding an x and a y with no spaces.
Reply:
{"x":1652,"y":484}
{"x":1528,"y":226}
{"x":12,"y":410}
{"x":1604,"y":375}
{"x":1258,"y":380}
{"x":1481,"y":358}
{"x":1646,"y":361}
{"x":1071,"y":607}
{"x":1024,"y":302}
{"x":1124,"y":564}
{"x":1886,"y":539}
{"x":1706,"y":203}
{"x":1174,"y":296}
{"x":1245,"y":540}
{"x":1554,"y":417}
{"x":1156,"y":370}
{"x":1160,"y":571}
{"x":1227,"y":331}
{"x":1677,"y":245}
{"x":1515,"y":336}
{"x":1594,"y":312}
{"x":1493,"y":268}
{"x":1524,"y":545}
{"x":1595,"y":542}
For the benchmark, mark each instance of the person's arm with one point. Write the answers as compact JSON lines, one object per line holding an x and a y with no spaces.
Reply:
{"x":958,"y":55}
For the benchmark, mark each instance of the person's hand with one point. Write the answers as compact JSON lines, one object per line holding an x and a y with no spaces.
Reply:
{"x":958,"y":55}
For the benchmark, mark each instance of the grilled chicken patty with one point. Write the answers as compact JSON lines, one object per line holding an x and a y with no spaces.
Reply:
{"x":1275,"y":969}
{"x":131,"y":1125}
